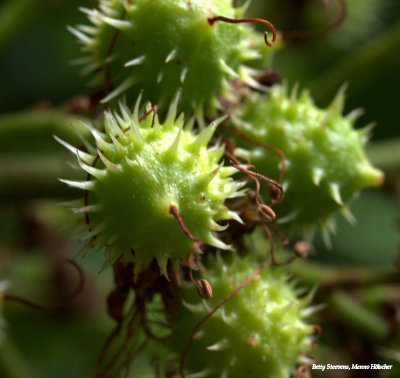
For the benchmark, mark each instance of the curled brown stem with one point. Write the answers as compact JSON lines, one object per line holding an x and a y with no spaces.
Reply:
{"x":14,"y":298}
{"x":212,"y":20}
{"x":198,"y":243}
{"x":300,"y":34}
{"x":264,"y":178}
{"x":271,"y":242}
{"x":266,"y":146}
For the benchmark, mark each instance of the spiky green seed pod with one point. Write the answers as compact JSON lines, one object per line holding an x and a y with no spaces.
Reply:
{"x":139,"y":170}
{"x":260,"y":332}
{"x":160,"y":45}
{"x":325,"y":159}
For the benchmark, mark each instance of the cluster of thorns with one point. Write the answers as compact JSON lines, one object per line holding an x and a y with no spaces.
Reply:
{"x":133,"y":321}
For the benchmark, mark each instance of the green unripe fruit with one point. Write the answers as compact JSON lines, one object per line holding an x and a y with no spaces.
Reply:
{"x":325,"y":159}
{"x":260,"y":332}
{"x":160,"y":45}
{"x":140,"y":170}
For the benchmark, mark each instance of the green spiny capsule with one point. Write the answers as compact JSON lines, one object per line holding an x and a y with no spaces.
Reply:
{"x":140,"y":171}
{"x":260,"y":332}
{"x":160,"y":45}
{"x":325,"y":159}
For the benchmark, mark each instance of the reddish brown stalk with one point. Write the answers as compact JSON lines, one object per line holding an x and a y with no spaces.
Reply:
{"x":14,"y":298}
{"x":214,"y":310}
{"x":285,"y":239}
{"x":114,"y":333}
{"x":109,"y":52}
{"x":154,"y":115}
{"x":264,"y":209}
{"x":318,"y":331}
{"x":122,"y":348}
{"x":175,"y":212}
{"x":300,"y":34}
{"x":271,"y":242}
{"x":232,"y":157}
{"x":198,"y":243}
{"x":264,"y":178}
{"x":266,"y":146}
{"x":143,"y":117}
{"x":212,"y":20}
{"x":236,"y":160}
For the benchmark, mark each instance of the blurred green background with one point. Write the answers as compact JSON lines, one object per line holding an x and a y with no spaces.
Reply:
{"x":42,"y":92}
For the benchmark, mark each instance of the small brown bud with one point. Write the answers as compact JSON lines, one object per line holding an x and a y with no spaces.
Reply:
{"x":266,"y":213}
{"x":274,"y":192}
{"x":204,"y":289}
{"x":301,"y":249}
{"x":269,"y":78}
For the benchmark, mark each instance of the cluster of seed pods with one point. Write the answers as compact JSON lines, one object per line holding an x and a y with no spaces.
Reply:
{"x":160,"y":201}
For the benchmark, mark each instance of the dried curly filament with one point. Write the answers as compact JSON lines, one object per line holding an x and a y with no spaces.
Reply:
{"x":212,"y":20}
{"x":81,"y":283}
{"x":300,"y":34}
{"x":264,"y":178}
{"x":266,"y":146}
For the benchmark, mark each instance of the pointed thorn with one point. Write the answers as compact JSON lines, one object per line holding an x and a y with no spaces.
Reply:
{"x":173,"y":148}
{"x":183,"y":75}
{"x":112,"y":125}
{"x":190,"y":124}
{"x":337,"y":104}
{"x":98,"y":173}
{"x":125,"y":85}
{"x":335,"y":193}
{"x":308,"y":311}
{"x":88,"y":146}
{"x":87,"y":158}
{"x":204,"y":137}
{"x":192,"y":308}
{"x":171,"y":116}
{"x":119,"y":147}
{"x":118,"y":24}
{"x":84,"y":185}
{"x":126,"y":114}
{"x":288,"y":218}
{"x":100,"y":141}
{"x":81,"y":36}
{"x":108,"y":163}
{"x":326,"y":238}
{"x":228,"y":70}
{"x":220,"y":345}
{"x":295,"y":91}
{"x":354,"y":114}
{"x":86,"y":209}
{"x":214,"y":226}
{"x":348,"y":215}
{"x":170,"y":56}
{"x":210,"y":175}
{"x":215,"y":242}
{"x":198,"y":335}
{"x":317,"y":174}
{"x":135,"y":123}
